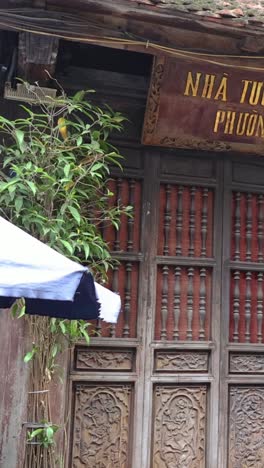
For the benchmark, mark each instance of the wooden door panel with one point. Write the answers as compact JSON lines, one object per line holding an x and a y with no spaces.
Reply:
{"x":246,"y":427}
{"x":242,"y":363}
{"x":107,"y":377}
{"x":102,"y":426}
{"x":191,"y":267}
{"x":188,"y":165}
{"x":184,"y":339}
{"x":179,"y":427}
{"x":167,"y":331}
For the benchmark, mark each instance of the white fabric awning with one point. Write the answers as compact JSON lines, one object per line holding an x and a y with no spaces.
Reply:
{"x":31,"y":269}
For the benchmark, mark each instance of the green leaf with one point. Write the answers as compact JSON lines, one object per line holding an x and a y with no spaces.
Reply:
{"x":73,"y":327}
{"x":86,"y":249}
{"x":14,"y":310}
{"x":67,"y":245}
{"x":95,"y":167}
{"x":54,"y":350}
{"x":33,"y":434}
{"x":96,"y":135}
{"x":19,"y":137}
{"x":62,"y":327}
{"x":78,"y":97}
{"x":22,"y":312}
{"x":49,"y":432}
{"x":5,"y":185}
{"x":11,"y":189}
{"x":18,"y":203}
{"x":53,"y":324}
{"x":79,"y":141}
{"x":29,"y":355}
{"x":75,"y":213}
{"x":86,"y":336}
{"x":32,"y":186}
{"x":66,"y":169}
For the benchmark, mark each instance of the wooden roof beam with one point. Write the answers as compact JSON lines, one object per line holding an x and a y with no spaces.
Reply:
{"x":94,"y":20}
{"x":164,"y":26}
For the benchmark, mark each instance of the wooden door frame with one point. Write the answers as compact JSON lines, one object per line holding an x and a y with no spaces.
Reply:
{"x":213,"y":346}
{"x":227,"y":379}
{"x":144,"y":378}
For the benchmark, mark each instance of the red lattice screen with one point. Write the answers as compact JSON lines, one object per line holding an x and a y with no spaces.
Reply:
{"x":196,"y":304}
{"x":169,"y":208}
{"x":124,"y":242}
{"x":246,"y":306}
{"x":246,"y":285}
{"x":127,"y":238}
{"x":247,"y":227}
{"x":183,"y":306}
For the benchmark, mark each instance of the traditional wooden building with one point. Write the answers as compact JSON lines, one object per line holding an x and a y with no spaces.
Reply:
{"x":179,"y":381}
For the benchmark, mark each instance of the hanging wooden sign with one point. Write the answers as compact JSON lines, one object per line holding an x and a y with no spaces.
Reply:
{"x":207,"y":106}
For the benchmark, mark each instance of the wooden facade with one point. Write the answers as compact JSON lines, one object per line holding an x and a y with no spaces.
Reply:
{"x":183,"y":370}
{"x":178,"y":382}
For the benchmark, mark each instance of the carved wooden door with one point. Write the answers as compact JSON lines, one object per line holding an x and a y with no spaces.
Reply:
{"x":242,"y":351}
{"x":179,"y":381}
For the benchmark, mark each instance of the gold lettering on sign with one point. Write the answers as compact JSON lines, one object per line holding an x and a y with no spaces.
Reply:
{"x":251,"y":93}
{"x":260,"y":127}
{"x":222,"y":90}
{"x":240,"y":130}
{"x":230,"y":120}
{"x":191,"y":87}
{"x":244,"y":91}
{"x":255,"y":93}
{"x":251,"y":125}
{"x":205,"y":88}
{"x":231,"y":106}
{"x":208,"y":86}
{"x":220,"y":117}
{"x":239,"y":123}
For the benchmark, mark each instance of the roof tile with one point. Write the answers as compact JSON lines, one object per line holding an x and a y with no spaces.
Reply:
{"x":227,"y":9}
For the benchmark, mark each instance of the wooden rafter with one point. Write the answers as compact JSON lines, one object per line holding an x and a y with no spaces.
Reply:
{"x":95,"y":20}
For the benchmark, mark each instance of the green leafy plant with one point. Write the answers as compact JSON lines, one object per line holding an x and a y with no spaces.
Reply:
{"x":53,"y":183}
{"x":55,"y":165}
{"x":43,"y":436}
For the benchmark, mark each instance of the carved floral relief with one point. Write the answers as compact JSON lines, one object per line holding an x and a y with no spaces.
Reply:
{"x":246,"y":427}
{"x":179,"y":427}
{"x":101,"y":426}
{"x":247,"y":363}
{"x":182,"y":361}
{"x":93,"y":359}
{"x":154,"y":97}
